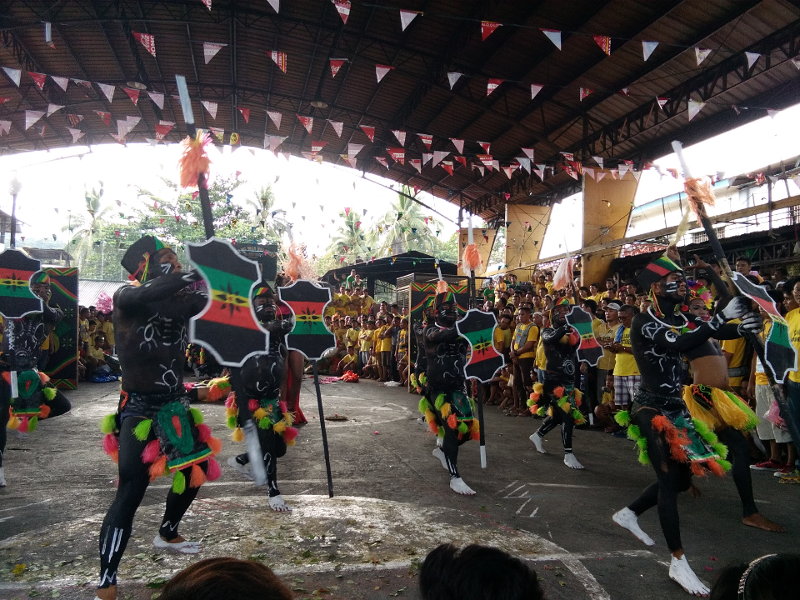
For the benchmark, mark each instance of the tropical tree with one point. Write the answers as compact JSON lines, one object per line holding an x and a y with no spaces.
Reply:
{"x":350,"y":240}
{"x":405,"y":227}
{"x":271,"y":223}
{"x":84,"y":227}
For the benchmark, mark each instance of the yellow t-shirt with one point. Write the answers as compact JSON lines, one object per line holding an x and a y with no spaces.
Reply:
{"x":605,"y":334}
{"x":108,"y":329}
{"x":736,"y":348}
{"x":541,"y":358}
{"x":504,"y":336}
{"x":365,"y":340}
{"x":625,"y":365}
{"x":347,"y":359}
{"x":793,"y":318}
{"x":376,"y":338}
{"x":365,"y":304}
{"x":351,"y":337}
{"x":524,"y":333}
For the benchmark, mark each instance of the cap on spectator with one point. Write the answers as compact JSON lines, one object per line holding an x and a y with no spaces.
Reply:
{"x":613,"y":306}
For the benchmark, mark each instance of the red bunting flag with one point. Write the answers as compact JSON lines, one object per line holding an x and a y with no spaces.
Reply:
{"x":132,"y":94}
{"x":337,"y":126}
{"x":554,"y":35}
{"x":397,"y":154}
{"x":163,"y":128}
{"x":585,"y":93}
{"x":447,"y":165}
{"x":369,"y":131}
{"x":406,"y":16}
{"x":104,"y":116}
{"x":336,"y":64}
{"x":245,"y":113}
{"x":343,"y":8}
{"x":488,"y":28}
{"x":4,"y":99}
{"x":568,"y":156}
{"x":39,"y":78}
{"x":509,"y":170}
{"x":308,"y":122}
{"x":492,"y":85}
{"x":279,"y":58}
{"x":211,"y":107}
{"x":604,"y":42}
{"x":317,"y":146}
{"x":661,"y":102}
{"x":487,"y":147}
{"x":381,"y":71}
{"x":462,"y":160}
{"x":426,"y":139}
{"x":486,"y":159}
{"x":147,"y":40}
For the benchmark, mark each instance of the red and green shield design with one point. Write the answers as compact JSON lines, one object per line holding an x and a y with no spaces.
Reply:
{"x":307,"y":301}
{"x":589,"y":350}
{"x":16,"y":297}
{"x":227,"y":326}
{"x":478,"y":328}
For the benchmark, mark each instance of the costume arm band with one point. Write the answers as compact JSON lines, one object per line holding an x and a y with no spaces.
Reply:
{"x":550,"y":335}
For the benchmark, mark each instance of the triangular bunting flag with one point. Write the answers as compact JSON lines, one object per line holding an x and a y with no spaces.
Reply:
{"x":406,"y":16}
{"x":38,"y":78}
{"x":104,"y":116}
{"x":122,"y":128}
{"x":487,"y":147}
{"x":426,"y":157}
{"x":598,"y":160}
{"x":74,"y":119}
{"x":488,"y":28}
{"x":317,"y":146}
{"x":211,"y":107}
{"x":486,"y":159}
{"x":369,"y":131}
{"x":535,"y":89}
{"x":351,"y":161}
{"x":623,"y":169}
{"x":400,"y":135}
{"x":83,"y":82}
{"x":614,"y":173}
{"x":275,"y":4}
{"x":447,"y":165}
{"x":108,"y":90}
{"x":527,"y":152}
{"x":273,"y":141}
{"x":162,"y":129}
{"x":4,"y":99}
{"x":439,"y":156}
{"x":336,"y":64}
{"x":462,"y":160}
{"x":509,"y":170}
{"x":459,"y":144}
{"x":382,"y":161}
{"x":132,"y":122}
{"x":275,"y":117}
{"x":752,"y":57}
{"x":146,"y":40}
{"x":584,"y":93}
{"x":245,"y":113}
{"x":604,"y":42}
{"x":308,"y":123}
{"x":210,"y":50}
{"x":568,"y":156}
{"x":452,"y":78}
{"x":796,"y":62}
{"x":701,"y":54}
{"x":354,"y":149}
{"x":647,"y":49}
{"x":207,"y":3}
{"x":625,"y":92}
{"x":75,"y":133}
{"x":427,"y":140}
{"x":589,"y":171}
{"x":524,"y":162}
{"x":157,"y":98}
{"x":496,"y":165}
{"x":31,"y":117}
{"x":119,"y":138}
{"x":337,"y":127}
{"x":554,"y":35}
{"x":481,"y":169}
{"x":61,"y":82}
{"x":661,"y":102}
{"x":599,"y":176}
{"x":132,"y":94}
{"x":492,"y":85}
{"x":381,"y":71}
{"x":343,"y":8}
{"x":539,"y":170}
{"x":218,"y":133}
{"x":416,"y":163}
{"x":14,"y":75}
{"x":279,"y":58}
{"x":397,"y":154}
{"x":695,"y":107}
{"x":51,"y":108}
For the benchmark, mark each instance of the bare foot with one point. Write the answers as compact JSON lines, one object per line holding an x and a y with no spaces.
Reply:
{"x":278,"y":504}
{"x":759,"y":521}
{"x":681,"y":573}
{"x":109,"y":593}
{"x":537,"y":441}
{"x":627,"y":518}
{"x":459,"y":487}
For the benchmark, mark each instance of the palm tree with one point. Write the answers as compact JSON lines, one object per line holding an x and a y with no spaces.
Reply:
{"x":350,"y":239}
{"x":272,"y":223}
{"x":84,"y":231}
{"x":405,"y":227}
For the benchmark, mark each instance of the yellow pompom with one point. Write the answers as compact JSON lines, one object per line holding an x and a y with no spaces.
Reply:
{"x":538,"y":387}
{"x":238,"y":435}
{"x":446,"y":410}
{"x":259,"y":414}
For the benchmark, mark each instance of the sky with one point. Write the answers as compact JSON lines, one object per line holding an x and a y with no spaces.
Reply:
{"x":53,"y":183}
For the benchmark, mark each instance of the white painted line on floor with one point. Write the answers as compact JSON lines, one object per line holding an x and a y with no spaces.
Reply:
{"x":582,"y":574}
{"x":25,"y":505}
{"x":519,"y":510}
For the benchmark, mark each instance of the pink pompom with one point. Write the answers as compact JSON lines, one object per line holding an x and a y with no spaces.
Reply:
{"x":151,"y":452}
{"x":188,"y":387}
{"x":110,"y":444}
{"x":283,"y":406}
{"x":23,"y":425}
{"x":253,"y":404}
{"x":203,"y":432}
{"x":230,"y":401}
{"x":289,"y":434}
{"x":213,"y":472}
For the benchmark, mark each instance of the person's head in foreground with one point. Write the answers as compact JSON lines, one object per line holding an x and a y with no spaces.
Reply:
{"x":769,"y":577}
{"x":476,"y":573}
{"x":225,"y":578}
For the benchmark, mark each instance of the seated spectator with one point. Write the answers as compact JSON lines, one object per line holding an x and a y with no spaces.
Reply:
{"x":349,"y":361}
{"x":224,"y":578}
{"x":770,"y":577}
{"x":100,"y":367}
{"x":476,"y":573}
{"x":370,"y":370}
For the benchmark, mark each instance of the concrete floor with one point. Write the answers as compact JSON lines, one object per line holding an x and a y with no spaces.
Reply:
{"x":391,"y":506}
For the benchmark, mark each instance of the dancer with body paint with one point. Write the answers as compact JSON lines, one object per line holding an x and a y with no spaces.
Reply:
{"x":153,"y":432}
{"x":675,"y":445}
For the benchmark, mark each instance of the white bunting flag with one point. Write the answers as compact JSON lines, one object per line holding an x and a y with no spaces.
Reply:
{"x":211,"y":107}
{"x":598,"y":160}
{"x":351,"y":161}
{"x":752,"y":57}
{"x":132,"y":122}
{"x":701,"y":54}
{"x":661,"y":102}
{"x":108,"y":90}
{"x":83,"y":82}
{"x":275,"y":4}
{"x":275,"y":117}
{"x":354,"y":149}
{"x":337,"y":127}
{"x":589,"y":171}
{"x":5,"y":127}
{"x":274,"y":141}
{"x":343,"y":8}
{"x":524,"y":162}
{"x":539,"y":170}
{"x":554,"y":35}
{"x":426,"y":158}
{"x":459,"y":144}
{"x":439,"y":156}
{"x":382,"y":161}
{"x":51,"y":108}
{"x":527,"y":152}
{"x":15,"y":75}
{"x":416,"y":163}
{"x":157,"y":98}
{"x":210,"y":50}
{"x":535,"y":89}
{"x":694,"y":108}
{"x":599,"y":176}
{"x":31,"y":117}
{"x":61,"y":82}
{"x":647,"y":49}
{"x":452,"y":78}
{"x":400,"y":135}
{"x":623,"y":169}
{"x":381,"y":71}
{"x":796,"y":63}
{"x":406,"y":16}
{"x":75,"y":133}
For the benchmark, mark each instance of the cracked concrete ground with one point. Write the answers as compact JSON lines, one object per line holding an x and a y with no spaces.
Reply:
{"x":391,"y":506}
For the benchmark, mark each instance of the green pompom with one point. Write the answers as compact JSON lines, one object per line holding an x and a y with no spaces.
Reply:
{"x":721,"y":449}
{"x":33,"y":423}
{"x":644,"y":458}
{"x":197,"y":416}
{"x":423,"y":378}
{"x":440,"y":431}
{"x":264,"y":423}
{"x":231,"y":422}
{"x":440,"y":400}
{"x":108,"y":424}
{"x":623,"y":418}
{"x":530,"y":402}
{"x":423,"y":405}
{"x":142,"y":430}
{"x":49,"y":393}
{"x":541,"y":411}
{"x":462,"y":427}
{"x":634,"y":433}
{"x":726,"y":465}
{"x":178,"y":482}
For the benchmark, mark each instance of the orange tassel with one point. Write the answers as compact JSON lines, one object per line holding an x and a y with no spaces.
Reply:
{"x":294,"y":263}
{"x":43,"y":377}
{"x":558,"y":392}
{"x":471,"y":257}
{"x":194,"y":161}
{"x":198,"y":478}
{"x":215,"y":444}
{"x":716,"y":468}
{"x":441,"y":287}
{"x":44,"y":411}
{"x":158,"y":468}
{"x":452,"y":421}
{"x":697,"y":469}
{"x":433,"y":427}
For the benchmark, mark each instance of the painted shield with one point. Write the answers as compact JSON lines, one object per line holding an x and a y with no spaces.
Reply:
{"x":16,"y":297}
{"x":227,"y":326}
{"x":779,"y":354}
{"x":478,"y":328}
{"x":310,"y":336}
{"x":589,"y":350}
